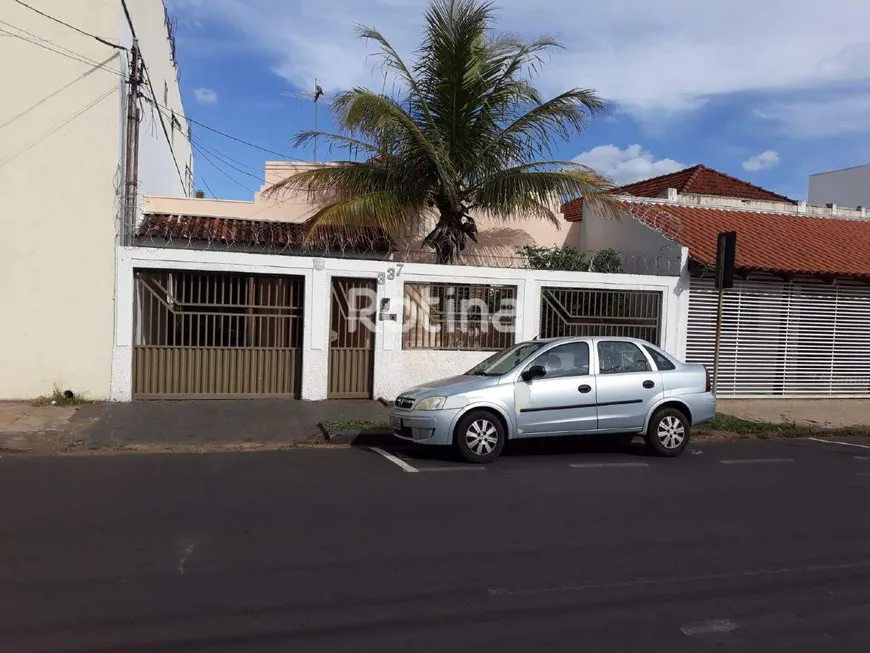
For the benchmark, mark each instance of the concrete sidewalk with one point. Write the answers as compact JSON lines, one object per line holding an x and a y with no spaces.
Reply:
{"x":822,"y":413}
{"x":193,"y":426}
{"x":270,"y":422}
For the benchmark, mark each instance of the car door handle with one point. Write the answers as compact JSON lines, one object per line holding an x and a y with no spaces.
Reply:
{"x":648,"y":384}
{"x":585,"y":388}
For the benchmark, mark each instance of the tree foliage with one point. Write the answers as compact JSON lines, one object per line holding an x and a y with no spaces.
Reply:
{"x":467,"y":134}
{"x":538,"y":257}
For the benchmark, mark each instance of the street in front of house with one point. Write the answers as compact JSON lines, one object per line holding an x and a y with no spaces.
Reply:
{"x":757,"y":545}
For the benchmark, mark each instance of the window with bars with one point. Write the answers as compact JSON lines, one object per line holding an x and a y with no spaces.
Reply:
{"x":459,"y":316}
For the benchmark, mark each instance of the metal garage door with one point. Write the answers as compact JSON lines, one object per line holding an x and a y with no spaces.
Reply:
{"x":788,"y":339}
{"x":217,"y":335}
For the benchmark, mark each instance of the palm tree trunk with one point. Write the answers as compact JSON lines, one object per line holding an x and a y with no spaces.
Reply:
{"x":447,"y":238}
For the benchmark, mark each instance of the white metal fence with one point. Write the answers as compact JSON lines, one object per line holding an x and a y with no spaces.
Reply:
{"x":395,"y":366}
{"x":788,"y":339}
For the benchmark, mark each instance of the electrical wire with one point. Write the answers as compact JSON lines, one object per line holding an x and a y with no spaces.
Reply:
{"x":208,"y":188}
{"x":221,"y":170}
{"x":75,"y":56}
{"x":72,"y":27}
{"x":83,"y":59}
{"x":226,"y":159}
{"x":61,"y":125}
{"x":231,"y":137}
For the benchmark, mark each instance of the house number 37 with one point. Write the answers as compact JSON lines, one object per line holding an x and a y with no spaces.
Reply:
{"x":390,"y":274}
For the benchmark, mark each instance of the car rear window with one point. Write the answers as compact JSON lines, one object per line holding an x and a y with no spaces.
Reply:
{"x":661,"y":361}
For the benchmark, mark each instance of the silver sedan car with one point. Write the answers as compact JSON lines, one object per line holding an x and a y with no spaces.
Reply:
{"x":560,"y":386}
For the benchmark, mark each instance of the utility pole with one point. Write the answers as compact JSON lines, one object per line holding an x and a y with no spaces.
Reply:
{"x":131,"y":151}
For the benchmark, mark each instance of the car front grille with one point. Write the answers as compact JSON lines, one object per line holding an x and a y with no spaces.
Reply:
{"x":404,"y":402}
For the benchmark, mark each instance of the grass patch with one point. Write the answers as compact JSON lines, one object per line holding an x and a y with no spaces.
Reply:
{"x":352,"y":428}
{"x":60,"y":397}
{"x":758,"y":429}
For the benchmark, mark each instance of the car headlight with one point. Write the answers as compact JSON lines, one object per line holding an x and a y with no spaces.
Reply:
{"x":431,"y":403}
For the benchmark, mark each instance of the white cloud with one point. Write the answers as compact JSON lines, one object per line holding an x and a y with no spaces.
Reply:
{"x":819,"y":117}
{"x":763,"y":161}
{"x":666,"y":56}
{"x":205,"y":95}
{"x":628,"y":165}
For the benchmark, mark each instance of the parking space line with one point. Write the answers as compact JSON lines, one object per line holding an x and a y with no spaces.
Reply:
{"x":467,"y":468}
{"x":594,"y":465}
{"x":393,"y":459}
{"x":861,"y":457}
{"x":755,"y":461}
{"x":845,"y":444}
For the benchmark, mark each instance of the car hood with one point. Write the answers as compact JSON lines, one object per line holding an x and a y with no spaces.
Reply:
{"x":454,"y":385}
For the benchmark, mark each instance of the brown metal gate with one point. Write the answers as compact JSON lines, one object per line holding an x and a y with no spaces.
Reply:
{"x":587,"y":312}
{"x":201,"y":335}
{"x":352,"y":339}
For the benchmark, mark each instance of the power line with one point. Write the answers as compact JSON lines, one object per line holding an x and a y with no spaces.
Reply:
{"x":59,"y":126}
{"x":208,"y":188}
{"x":221,"y":170}
{"x":227,"y":159}
{"x":72,"y":27}
{"x":75,"y":56}
{"x":234,"y":138}
{"x":83,"y":59}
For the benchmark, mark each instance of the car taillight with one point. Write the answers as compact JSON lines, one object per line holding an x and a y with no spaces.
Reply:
{"x":709,"y":386}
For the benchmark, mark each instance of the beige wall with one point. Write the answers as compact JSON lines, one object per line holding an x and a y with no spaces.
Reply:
{"x":498,"y":239}
{"x":61,"y":134}
{"x":58,"y":158}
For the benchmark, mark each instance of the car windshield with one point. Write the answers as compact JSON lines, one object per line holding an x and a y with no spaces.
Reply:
{"x":505,"y":360}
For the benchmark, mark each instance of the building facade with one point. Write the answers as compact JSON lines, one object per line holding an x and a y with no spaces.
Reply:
{"x":849,"y":187}
{"x":62,"y":149}
{"x":797,"y":321}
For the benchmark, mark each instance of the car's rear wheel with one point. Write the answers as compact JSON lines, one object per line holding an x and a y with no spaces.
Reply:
{"x":668,"y":432}
{"x":479,"y":437}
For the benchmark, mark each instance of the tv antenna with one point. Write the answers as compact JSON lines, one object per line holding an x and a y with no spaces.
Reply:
{"x":315,"y":95}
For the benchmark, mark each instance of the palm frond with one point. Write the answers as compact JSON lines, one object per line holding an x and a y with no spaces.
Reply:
{"x":305,"y":137}
{"x":392,"y":61}
{"x":531,"y":189}
{"x":359,"y":213}
{"x":338,"y":179}
{"x":532,"y":133}
{"x":376,"y":114}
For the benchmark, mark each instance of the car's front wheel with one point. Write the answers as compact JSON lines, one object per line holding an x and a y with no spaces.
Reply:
{"x":479,"y":436}
{"x":668,"y":432}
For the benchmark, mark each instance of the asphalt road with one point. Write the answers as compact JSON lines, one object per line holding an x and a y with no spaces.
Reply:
{"x":751,"y":546}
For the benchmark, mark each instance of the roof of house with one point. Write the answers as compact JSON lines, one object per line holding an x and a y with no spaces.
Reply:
{"x":699,"y":180}
{"x":168,"y":227}
{"x":778,"y":243}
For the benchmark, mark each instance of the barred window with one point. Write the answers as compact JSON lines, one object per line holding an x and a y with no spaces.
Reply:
{"x":459,"y":316}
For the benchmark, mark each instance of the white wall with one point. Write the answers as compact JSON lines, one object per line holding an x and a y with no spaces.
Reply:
{"x":395,"y":369}
{"x":849,"y":187}
{"x":644,"y":250}
{"x":164,"y":151}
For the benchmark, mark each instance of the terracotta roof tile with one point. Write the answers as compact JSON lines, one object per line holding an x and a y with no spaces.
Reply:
{"x":699,"y":180}
{"x":778,"y":243}
{"x":258,"y":232}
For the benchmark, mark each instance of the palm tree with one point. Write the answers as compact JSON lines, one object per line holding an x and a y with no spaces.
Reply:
{"x":463,"y":137}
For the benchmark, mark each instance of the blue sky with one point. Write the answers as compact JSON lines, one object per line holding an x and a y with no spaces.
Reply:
{"x":766,"y":90}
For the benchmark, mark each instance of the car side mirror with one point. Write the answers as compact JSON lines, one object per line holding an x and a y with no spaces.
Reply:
{"x":534,"y":372}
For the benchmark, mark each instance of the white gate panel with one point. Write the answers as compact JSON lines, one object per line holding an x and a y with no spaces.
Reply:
{"x":787,"y":339}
